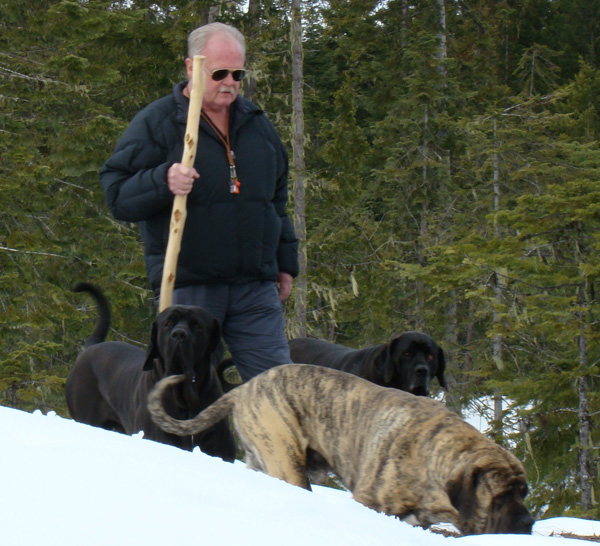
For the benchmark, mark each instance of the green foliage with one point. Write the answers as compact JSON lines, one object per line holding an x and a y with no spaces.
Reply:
{"x":57,"y":129}
{"x":451,"y":188}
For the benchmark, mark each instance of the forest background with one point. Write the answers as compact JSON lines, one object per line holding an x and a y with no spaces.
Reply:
{"x":445,"y":178}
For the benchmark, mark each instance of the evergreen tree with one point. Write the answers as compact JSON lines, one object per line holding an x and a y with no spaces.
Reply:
{"x":545,"y":260}
{"x":451,"y":164}
{"x":66,"y":68}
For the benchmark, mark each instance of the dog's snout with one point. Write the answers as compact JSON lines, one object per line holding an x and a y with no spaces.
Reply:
{"x":179,"y":334}
{"x":421,"y":371}
{"x":523,"y":524}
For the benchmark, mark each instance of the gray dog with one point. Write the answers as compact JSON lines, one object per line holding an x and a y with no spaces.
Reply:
{"x":397,"y":453}
{"x":108,"y":386}
{"x":407,"y":362}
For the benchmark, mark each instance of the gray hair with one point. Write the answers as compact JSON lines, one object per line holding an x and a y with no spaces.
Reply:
{"x":198,"y":38}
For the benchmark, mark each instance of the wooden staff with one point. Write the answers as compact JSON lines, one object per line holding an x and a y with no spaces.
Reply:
{"x":179,"y":212}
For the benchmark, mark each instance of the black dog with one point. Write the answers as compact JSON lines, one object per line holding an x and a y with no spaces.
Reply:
{"x":108,"y":386}
{"x":407,"y":362}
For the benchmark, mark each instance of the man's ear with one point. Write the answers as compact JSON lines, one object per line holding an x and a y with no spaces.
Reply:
{"x":189,"y":67}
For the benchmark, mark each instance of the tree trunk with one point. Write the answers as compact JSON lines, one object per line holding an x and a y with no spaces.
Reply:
{"x":420,"y":287}
{"x":586,"y":472}
{"x":443,"y":49}
{"x":497,"y":342}
{"x":452,"y":397}
{"x":585,"y":463}
{"x":404,"y":24}
{"x":298,"y":167}
{"x":254,"y":30}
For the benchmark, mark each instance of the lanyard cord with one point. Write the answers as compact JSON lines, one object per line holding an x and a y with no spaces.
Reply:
{"x":234,"y":183}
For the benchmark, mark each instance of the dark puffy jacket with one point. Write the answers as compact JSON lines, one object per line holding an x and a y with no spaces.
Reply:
{"x":227,"y":237}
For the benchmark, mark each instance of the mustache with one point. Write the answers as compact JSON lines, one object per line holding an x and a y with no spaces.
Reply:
{"x":226,"y":89}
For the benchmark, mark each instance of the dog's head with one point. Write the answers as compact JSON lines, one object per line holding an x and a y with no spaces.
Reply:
{"x":489,"y":496}
{"x":185,"y":339}
{"x":413,"y":359}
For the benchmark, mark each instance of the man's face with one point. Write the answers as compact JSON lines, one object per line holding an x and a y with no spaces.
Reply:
{"x":219,"y":52}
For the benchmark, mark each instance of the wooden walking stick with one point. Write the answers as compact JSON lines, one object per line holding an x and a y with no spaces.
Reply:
{"x":179,"y":213}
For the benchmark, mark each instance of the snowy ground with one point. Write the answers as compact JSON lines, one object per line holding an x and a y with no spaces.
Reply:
{"x":69,"y":484}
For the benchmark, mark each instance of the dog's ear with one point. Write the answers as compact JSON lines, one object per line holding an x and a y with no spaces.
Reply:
{"x":214,"y":336}
{"x":379,"y":365}
{"x":441,"y":368}
{"x":461,"y":490}
{"x":152,"y":352}
{"x":397,"y":345}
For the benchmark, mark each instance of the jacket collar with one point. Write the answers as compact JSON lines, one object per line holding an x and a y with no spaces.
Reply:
{"x":241,"y":109}
{"x":182,"y":103}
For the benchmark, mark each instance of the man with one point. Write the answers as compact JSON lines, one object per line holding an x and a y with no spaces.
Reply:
{"x":239,"y":252}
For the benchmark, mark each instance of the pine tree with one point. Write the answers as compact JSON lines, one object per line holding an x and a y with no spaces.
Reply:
{"x":66,"y":69}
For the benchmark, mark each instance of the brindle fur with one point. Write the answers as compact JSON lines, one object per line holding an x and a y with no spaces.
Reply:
{"x":397,"y":453}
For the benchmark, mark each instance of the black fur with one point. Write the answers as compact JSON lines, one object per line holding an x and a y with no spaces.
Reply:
{"x":407,"y":362}
{"x":108,"y":386}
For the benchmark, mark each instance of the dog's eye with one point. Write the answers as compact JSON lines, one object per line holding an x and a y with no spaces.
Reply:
{"x":195,"y":326}
{"x":504,"y":498}
{"x":430,"y":358}
{"x":407,"y":354}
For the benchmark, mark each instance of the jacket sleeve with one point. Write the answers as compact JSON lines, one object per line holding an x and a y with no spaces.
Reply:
{"x":134,"y":177}
{"x":287,"y":251}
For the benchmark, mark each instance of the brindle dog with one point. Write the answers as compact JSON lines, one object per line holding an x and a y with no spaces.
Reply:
{"x":108,"y":386}
{"x":400,"y":454}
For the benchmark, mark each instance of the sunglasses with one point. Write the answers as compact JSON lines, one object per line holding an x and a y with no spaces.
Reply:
{"x":219,"y":74}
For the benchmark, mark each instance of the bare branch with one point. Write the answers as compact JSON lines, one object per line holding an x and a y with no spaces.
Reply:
{"x":7,"y":249}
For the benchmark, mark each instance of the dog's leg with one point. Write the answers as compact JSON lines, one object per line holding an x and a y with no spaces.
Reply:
{"x":288,"y":463}
{"x":409,"y":505}
{"x":439,"y":510}
{"x":273,"y":446}
{"x":291,"y":469}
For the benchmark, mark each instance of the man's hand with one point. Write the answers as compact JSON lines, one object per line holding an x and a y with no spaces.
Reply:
{"x":284,"y":280}
{"x":180,"y":179}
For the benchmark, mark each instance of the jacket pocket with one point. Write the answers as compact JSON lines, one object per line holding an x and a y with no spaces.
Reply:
{"x":260,"y":229}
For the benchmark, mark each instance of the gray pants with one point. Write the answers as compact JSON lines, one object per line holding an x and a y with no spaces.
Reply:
{"x":251,"y":318}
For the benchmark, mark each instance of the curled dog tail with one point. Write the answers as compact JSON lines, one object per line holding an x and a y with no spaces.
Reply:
{"x":103,"y":323}
{"x":212,"y":414}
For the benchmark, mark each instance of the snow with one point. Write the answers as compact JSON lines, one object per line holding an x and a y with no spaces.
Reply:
{"x":68,"y":484}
